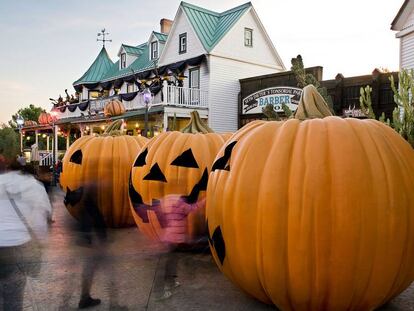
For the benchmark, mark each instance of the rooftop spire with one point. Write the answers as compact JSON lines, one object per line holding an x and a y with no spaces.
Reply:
{"x":103,"y":34}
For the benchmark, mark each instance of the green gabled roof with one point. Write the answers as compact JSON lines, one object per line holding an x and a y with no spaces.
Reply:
{"x":162,"y":37}
{"x":134,"y":50}
{"x":97,"y":70}
{"x":142,"y":63}
{"x":210,"y":26}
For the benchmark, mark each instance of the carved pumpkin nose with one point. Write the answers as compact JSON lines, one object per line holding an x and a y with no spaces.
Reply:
{"x":155,"y":174}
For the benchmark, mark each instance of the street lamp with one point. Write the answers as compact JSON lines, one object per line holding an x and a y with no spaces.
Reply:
{"x":20,"y":122}
{"x":147,"y":99}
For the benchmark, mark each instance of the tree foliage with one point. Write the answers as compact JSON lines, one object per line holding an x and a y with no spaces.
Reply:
{"x":9,"y":143}
{"x":28,"y":113}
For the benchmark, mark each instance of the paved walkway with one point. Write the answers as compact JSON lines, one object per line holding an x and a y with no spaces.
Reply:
{"x":132,"y":276}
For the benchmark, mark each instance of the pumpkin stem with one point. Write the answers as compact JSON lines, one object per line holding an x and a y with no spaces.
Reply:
{"x":114,"y":129}
{"x":312,"y":105}
{"x":196,"y":125}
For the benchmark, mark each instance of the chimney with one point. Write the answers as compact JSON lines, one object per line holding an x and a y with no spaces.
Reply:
{"x":165,"y":25}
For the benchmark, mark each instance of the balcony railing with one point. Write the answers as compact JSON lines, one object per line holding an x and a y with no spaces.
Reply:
{"x":170,"y":95}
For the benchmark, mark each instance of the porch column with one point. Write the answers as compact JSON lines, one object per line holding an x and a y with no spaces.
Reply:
{"x":47,"y":142}
{"x":68,"y":141}
{"x":80,"y":129}
{"x":55,"y":142}
{"x":36,"y":138}
{"x":165,"y":123}
{"x":164,"y":91}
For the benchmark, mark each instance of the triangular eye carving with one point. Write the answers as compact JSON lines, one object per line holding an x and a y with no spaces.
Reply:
{"x":220,"y":164}
{"x":76,"y":157}
{"x":140,"y":161}
{"x":155,"y":174}
{"x":186,"y":159}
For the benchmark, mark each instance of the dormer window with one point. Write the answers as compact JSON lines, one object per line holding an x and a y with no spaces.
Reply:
{"x":248,"y":37}
{"x":154,"y":50}
{"x":123,"y":60}
{"x":182,"y":43}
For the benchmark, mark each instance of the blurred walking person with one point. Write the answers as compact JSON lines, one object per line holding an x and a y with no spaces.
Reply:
{"x":24,"y":213}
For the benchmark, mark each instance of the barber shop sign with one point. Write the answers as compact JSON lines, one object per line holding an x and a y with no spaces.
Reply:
{"x":276,"y":96}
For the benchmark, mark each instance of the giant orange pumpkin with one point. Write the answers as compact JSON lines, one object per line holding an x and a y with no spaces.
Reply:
{"x":100,"y":166}
{"x":114,"y":108}
{"x":168,"y":183}
{"x":315,"y":214}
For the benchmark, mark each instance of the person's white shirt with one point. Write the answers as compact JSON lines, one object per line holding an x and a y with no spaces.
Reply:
{"x":31,"y":199}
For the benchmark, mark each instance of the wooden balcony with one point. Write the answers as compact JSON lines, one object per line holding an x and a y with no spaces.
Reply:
{"x":169,"y":96}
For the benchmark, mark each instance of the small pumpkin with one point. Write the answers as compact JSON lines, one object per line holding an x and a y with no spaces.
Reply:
{"x":168,"y":183}
{"x":314,"y":214}
{"x":101,"y":165}
{"x":30,"y":123}
{"x":114,"y":108}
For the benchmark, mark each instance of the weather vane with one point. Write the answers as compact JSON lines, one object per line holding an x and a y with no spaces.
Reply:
{"x":103,"y":34}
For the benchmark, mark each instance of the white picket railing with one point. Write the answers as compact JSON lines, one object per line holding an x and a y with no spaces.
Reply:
{"x":46,"y":160}
{"x":186,"y":97}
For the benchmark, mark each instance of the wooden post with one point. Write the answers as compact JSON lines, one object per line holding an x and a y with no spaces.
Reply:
{"x":47,"y":143}
{"x":55,"y":142}
{"x":21,"y":141}
{"x":36,"y":138}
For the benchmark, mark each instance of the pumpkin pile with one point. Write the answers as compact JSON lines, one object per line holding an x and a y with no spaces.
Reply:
{"x":168,"y":182}
{"x":99,"y":167}
{"x":314,"y":214}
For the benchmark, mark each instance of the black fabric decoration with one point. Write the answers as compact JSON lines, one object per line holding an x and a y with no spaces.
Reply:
{"x":118,"y":83}
{"x":186,"y":159}
{"x":128,"y":96}
{"x":83,"y":106}
{"x":73,"y":197}
{"x":218,"y":244}
{"x":72,"y":108}
{"x":155,"y":174}
{"x":200,"y":186}
{"x":62,"y":109}
{"x":140,"y":161}
{"x":91,"y":86}
{"x":155,"y":89}
{"x":220,"y":164}
{"x":76,"y":157}
{"x":106,"y":85}
{"x":195,"y":61}
{"x":78,"y":88}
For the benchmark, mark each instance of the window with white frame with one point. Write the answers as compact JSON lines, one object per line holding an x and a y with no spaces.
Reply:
{"x":248,"y":37}
{"x":123,"y":60}
{"x":182,"y":43}
{"x":194,"y":78}
{"x":154,"y":50}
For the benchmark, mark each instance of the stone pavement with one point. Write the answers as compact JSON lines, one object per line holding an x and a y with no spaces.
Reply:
{"x":132,"y":275}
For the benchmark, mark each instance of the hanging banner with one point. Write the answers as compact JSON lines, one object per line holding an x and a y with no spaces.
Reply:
{"x":276,"y":96}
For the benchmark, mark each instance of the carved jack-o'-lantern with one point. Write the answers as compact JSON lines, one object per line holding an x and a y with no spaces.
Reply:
{"x":314,"y":215}
{"x":99,"y":167}
{"x":45,"y":118}
{"x":168,"y":184}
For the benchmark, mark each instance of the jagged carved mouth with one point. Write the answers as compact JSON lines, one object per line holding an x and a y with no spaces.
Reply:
{"x":142,"y":209}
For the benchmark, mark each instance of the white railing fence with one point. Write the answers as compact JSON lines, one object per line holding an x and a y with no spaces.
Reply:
{"x":187,"y":97}
{"x":46,"y":160}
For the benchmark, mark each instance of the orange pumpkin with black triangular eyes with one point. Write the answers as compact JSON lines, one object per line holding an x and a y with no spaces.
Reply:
{"x":98,"y":168}
{"x":168,"y":183}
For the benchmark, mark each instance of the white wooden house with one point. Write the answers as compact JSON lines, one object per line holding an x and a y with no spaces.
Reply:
{"x":403,"y":23}
{"x":194,"y":62}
